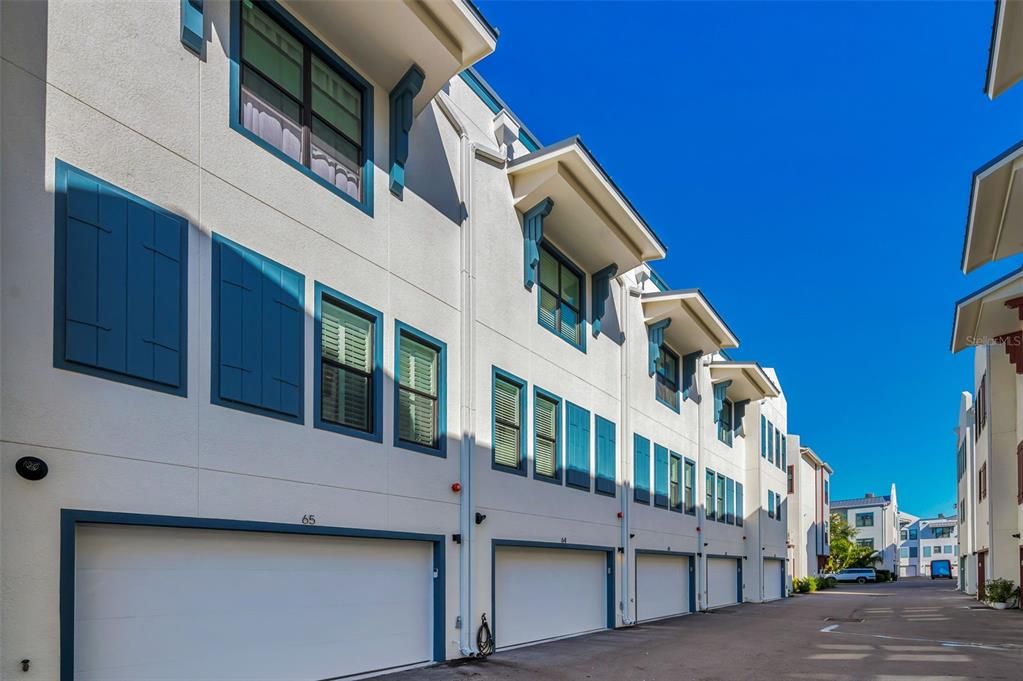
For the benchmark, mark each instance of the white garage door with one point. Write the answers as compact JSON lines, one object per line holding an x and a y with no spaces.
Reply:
{"x":722,"y":585}
{"x":773,"y":576}
{"x":178,"y":604}
{"x":662,"y":586}
{"x":545,"y":593}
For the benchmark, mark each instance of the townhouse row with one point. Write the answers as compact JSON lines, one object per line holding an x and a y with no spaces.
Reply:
{"x":989,"y":434}
{"x":925,"y":540}
{"x":314,"y":359}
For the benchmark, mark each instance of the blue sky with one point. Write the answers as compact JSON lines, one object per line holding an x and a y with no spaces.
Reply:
{"x":808,"y":166}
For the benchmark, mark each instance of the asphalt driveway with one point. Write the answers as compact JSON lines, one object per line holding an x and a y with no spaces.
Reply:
{"x":911,"y":630}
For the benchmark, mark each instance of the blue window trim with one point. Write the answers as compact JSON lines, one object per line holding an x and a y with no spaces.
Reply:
{"x":523,"y":386}
{"x":691,"y":566}
{"x":641,"y":495}
{"x":763,"y":436}
{"x":441,"y":347}
{"x":193,"y":31}
{"x":740,"y":504}
{"x":601,"y":484}
{"x":71,"y":518}
{"x":215,"y":397}
{"x":578,"y":483}
{"x":60,"y":287}
{"x":677,"y":408}
{"x":729,"y":501}
{"x":710,"y":513}
{"x":770,"y":503}
{"x":559,"y":439}
{"x":609,"y":597}
{"x":721,"y":517}
{"x":317,"y":46}
{"x":377,"y":434}
{"x":696,"y":487}
{"x":561,"y":258}
{"x":675,"y":456}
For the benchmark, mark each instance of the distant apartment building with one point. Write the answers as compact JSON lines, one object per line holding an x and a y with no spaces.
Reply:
{"x":923,"y":540}
{"x":809,"y":502}
{"x":989,"y":321}
{"x":876,"y":521}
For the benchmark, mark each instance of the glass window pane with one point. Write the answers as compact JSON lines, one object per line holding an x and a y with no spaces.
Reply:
{"x":345,"y":398}
{"x":335,"y":159}
{"x":548,"y":270}
{"x":570,"y":327}
{"x":270,"y":114}
{"x":546,"y":458}
{"x":418,"y":366}
{"x":506,"y":401}
{"x":336,"y":100}
{"x":416,"y":418}
{"x":569,"y":287}
{"x":346,"y":337}
{"x":548,"y":310}
{"x":271,"y":49}
{"x":506,"y":445}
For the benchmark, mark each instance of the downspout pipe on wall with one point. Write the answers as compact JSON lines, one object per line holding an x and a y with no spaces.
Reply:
{"x":468,"y":152}
{"x":701,"y":550}
{"x":627,"y":606}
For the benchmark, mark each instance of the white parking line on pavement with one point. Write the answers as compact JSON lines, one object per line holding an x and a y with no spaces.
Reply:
{"x":947,"y":644}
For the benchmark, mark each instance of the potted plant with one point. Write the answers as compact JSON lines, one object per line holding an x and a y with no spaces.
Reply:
{"x":998,"y":592}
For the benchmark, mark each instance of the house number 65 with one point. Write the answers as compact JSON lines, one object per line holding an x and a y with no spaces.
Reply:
{"x":309,"y":519}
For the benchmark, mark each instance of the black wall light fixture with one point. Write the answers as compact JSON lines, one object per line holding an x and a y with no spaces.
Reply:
{"x":31,"y":468}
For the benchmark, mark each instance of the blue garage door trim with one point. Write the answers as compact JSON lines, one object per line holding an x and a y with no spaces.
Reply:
{"x":70,"y":518}
{"x":610,"y":577}
{"x":681,"y":554}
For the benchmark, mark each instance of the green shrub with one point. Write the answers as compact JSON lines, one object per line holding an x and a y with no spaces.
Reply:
{"x":813,"y":583}
{"x":1000,"y":590}
{"x":801,"y":585}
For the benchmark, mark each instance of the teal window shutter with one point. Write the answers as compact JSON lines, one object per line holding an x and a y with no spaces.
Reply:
{"x":401,"y":99}
{"x":655,"y":339}
{"x":192,"y":25}
{"x":689,"y":364}
{"x":740,"y":509}
{"x":606,"y":468}
{"x":708,"y":502}
{"x":259,"y":327}
{"x":509,"y":414}
{"x":641,"y":468}
{"x":770,"y":504}
{"x":660,"y":476}
{"x":770,"y":442}
{"x":740,"y":415}
{"x":120,"y":294}
{"x":532,"y":228}
{"x":763,"y":436}
{"x":719,"y":397}
{"x":730,"y":501}
{"x":578,"y":443}
{"x":601,"y":291}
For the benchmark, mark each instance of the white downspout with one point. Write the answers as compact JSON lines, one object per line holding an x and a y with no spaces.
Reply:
{"x":701,"y":550}
{"x":468,"y":151}
{"x":626,"y":292}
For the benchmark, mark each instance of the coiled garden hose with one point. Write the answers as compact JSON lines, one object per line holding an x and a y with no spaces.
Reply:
{"x":484,"y":639}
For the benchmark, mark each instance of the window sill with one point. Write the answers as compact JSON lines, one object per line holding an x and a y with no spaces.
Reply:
{"x":605,"y":487}
{"x":580,"y":346}
{"x":677,"y":408}
{"x":521,"y":470}
{"x":440,"y":453}
{"x":556,"y":480}
{"x":373,"y":436}
{"x":258,"y":411}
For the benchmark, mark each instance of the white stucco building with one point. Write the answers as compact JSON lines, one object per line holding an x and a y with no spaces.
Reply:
{"x":989,"y":433}
{"x":809,"y":499}
{"x":923,"y":540}
{"x":876,"y":520}
{"x":301,"y":319}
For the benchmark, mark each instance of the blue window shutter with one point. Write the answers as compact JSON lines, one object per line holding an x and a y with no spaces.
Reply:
{"x":532,"y":229}
{"x":641,"y":466}
{"x":763,"y":436}
{"x":739,"y":414}
{"x":689,"y":364}
{"x":770,"y":442}
{"x":655,"y":339}
{"x":719,"y":398}
{"x":193,"y":32}
{"x":261,"y":327}
{"x":578,"y":442}
{"x":606,"y":474}
{"x":660,"y":476}
{"x":120,"y":312}
{"x":401,"y":99}
{"x":601,"y":290}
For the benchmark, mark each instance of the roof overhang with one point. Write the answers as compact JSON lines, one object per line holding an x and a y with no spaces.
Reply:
{"x":983,"y":316}
{"x":592,"y":219}
{"x":1005,"y":59}
{"x":695,"y":324}
{"x":994,"y":225}
{"x":384,"y":38}
{"x":749,"y":380}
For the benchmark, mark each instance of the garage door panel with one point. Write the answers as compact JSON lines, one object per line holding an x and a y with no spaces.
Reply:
{"x":547,"y":593}
{"x":662,"y":586}
{"x":165,"y":603}
{"x":773,"y":575}
{"x":722,"y":582}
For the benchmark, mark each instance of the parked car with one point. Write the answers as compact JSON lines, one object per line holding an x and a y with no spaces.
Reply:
{"x":858,"y":575}
{"x":941,"y":569}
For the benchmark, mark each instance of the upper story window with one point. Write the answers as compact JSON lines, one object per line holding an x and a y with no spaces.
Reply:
{"x":509,"y":418}
{"x":300,"y":101}
{"x":865,"y":519}
{"x":725,"y":420}
{"x":867,"y":542}
{"x":904,"y":535}
{"x":675,"y":483}
{"x":740,"y":505}
{"x":791,"y":477}
{"x":120,"y":293}
{"x":561,"y":296}
{"x":980,"y":419}
{"x":708,"y":488}
{"x":546,"y":434}
{"x":350,"y":376}
{"x":419,"y":398}
{"x":982,"y":483}
{"x":912,"y":534}
{"x":827,"y":492}
{"x":667,"y":378}
{"x":942,"y":532}
{"x":689,"y":487}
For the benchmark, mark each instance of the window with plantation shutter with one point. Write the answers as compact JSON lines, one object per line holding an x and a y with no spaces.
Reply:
{"x":420,"y":382}
{"x":708,"y":501}
{"x":730,"y":501}
{"x":546,"y":452}
{"x":507,"y":432}
{"x":721,"y":513}
{"x":561,"y":297}
{"x":347,"y":366}
{"x":666,"y":387}
{"x":689,"y":485}
{"x":675,"y":482}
